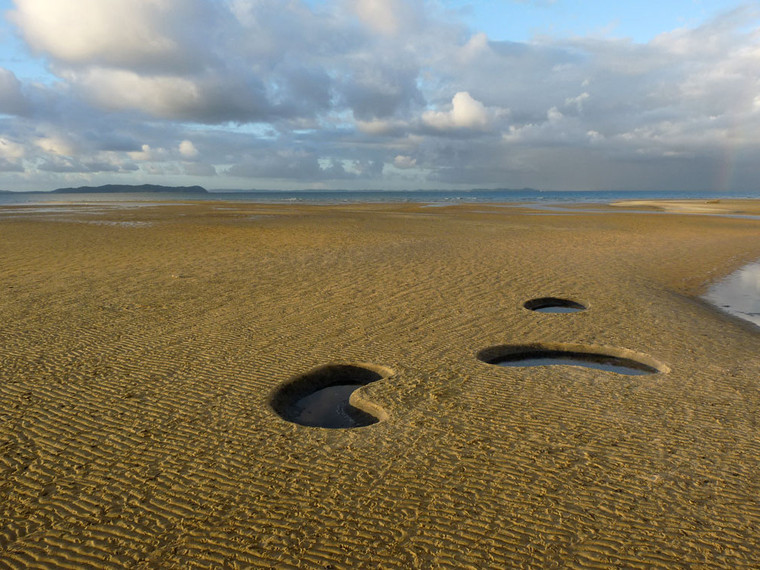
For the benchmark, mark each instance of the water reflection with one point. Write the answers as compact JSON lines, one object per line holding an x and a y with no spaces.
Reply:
{"x":601,"y":358}
{"x":320,"y":397}
{"x":596,"y":361}
{"x":739,"y":293}
{"x":329,"y":408}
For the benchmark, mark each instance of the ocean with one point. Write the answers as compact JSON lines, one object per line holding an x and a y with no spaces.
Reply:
{"x":373,"y":196}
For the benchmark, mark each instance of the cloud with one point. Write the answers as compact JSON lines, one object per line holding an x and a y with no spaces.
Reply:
{"x":70,"y":165}
{"x":10,"y":150}
{"x":404,"y":162}
{"x":199,"y":169}
{"x":11,"y":155}
{"x":301,"y":92}
{"x":57,"y":145}
{"x":206,"y":99}
{"x":381,"y":91}
{"x":147,"y":154}
{"x":258,"y":61}
{"x":465,"y":113}
{"x":187,"y":149}
{"x":289,"y":165}
{"x":381,"y":127}
{"x":388,"y":16}
{"x":12,"y":100}
{"x":10,"y":166}
{"x":147,"y":34}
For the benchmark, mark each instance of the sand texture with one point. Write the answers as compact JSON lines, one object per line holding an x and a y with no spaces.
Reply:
{"x":729,"y":207}
{"x":139,"y":348}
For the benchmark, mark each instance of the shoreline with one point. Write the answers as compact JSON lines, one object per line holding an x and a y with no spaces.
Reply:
{"x":713,"y":206}
{"x":139,"y":354}
{"x":338,"y":197}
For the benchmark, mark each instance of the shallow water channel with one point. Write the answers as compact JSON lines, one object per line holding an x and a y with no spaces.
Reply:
{"x":739,"y":293}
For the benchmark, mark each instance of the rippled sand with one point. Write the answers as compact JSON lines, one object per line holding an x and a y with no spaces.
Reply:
{"x":138,"y":356}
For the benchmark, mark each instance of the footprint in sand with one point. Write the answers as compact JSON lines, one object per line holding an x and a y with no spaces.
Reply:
{"x":327,"y":397}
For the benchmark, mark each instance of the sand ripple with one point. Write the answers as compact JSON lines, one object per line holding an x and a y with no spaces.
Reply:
{"x":135,"y":429}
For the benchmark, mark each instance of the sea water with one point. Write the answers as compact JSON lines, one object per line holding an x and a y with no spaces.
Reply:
{"x":440,"y":197}
{"x":739,"y":293}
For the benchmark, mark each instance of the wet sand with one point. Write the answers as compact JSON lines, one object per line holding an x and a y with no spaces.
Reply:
{"x":719,"y":206}
{"x":139,"y":350}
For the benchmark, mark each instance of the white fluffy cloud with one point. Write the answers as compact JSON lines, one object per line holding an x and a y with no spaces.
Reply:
{"x":388,"y":16}
{"x":141,"y":33}
{"x":465,"y":113}
{"x":334,"y":90}
{"x":56,"y":144}
{"x":404,"y":162}
{"x":207,"y":99}
{"x":187,"y":149}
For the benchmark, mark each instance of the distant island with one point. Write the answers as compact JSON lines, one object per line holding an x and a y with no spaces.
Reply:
{"x":129,"y":188}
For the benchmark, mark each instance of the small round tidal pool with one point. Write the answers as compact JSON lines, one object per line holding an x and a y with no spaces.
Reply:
{"x":554,"y":305}
{"x":322,"y":397}
{"x":620,"y":361}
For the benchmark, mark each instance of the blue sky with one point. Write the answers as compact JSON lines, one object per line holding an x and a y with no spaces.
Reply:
{"x":552,"y":94}
{"x":638,"y":21}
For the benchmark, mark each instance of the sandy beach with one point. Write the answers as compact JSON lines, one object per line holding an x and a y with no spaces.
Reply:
{"x":140,"y":349}
{"x":732,"y":207}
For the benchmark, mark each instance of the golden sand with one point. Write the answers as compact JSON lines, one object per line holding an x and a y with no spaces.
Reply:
{"x":733,"y":206}
{"x":139,"y":349}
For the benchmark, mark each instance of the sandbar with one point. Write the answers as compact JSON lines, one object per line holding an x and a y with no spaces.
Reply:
{"x":716,"y":206}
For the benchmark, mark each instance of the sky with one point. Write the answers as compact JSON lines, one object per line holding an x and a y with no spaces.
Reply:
{"x":381,"y":94}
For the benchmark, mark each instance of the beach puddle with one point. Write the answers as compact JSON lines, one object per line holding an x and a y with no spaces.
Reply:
{"x":619,"y":361}
{"x":554,"y":305}
{"x":739,"y":293}
{"x":322,"y":397}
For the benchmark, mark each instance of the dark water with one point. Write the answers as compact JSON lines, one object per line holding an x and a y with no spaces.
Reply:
{"x":441,"y":197}
{"x":609,"y":366}
{"x":554,"y":305}
{"x":739,"y":293}
{"x":329,"y":408}
{"x":589,"y":360}
{"x":320,"y":397}
{"x":558,"y":310}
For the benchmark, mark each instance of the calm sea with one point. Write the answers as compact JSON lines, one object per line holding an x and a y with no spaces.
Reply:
{"x":385,"y":196}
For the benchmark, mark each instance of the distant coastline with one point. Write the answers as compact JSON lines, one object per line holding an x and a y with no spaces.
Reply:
{"x":129,"y":188}
{"x":154,"y":192}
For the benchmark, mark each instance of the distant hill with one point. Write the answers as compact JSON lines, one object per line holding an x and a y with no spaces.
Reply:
{"x":128,"y":188}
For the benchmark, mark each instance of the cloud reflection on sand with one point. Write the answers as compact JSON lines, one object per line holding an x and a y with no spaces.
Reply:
{"x":739,"y":293}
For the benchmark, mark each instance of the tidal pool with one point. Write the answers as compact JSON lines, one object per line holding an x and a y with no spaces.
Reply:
{"x":739,"y":293}
{"x":321,"y":397}
{"x":597,"y":361}
{"x":619,"y":361}
{"x":330,"y":408}
{"x":554,"y":305}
